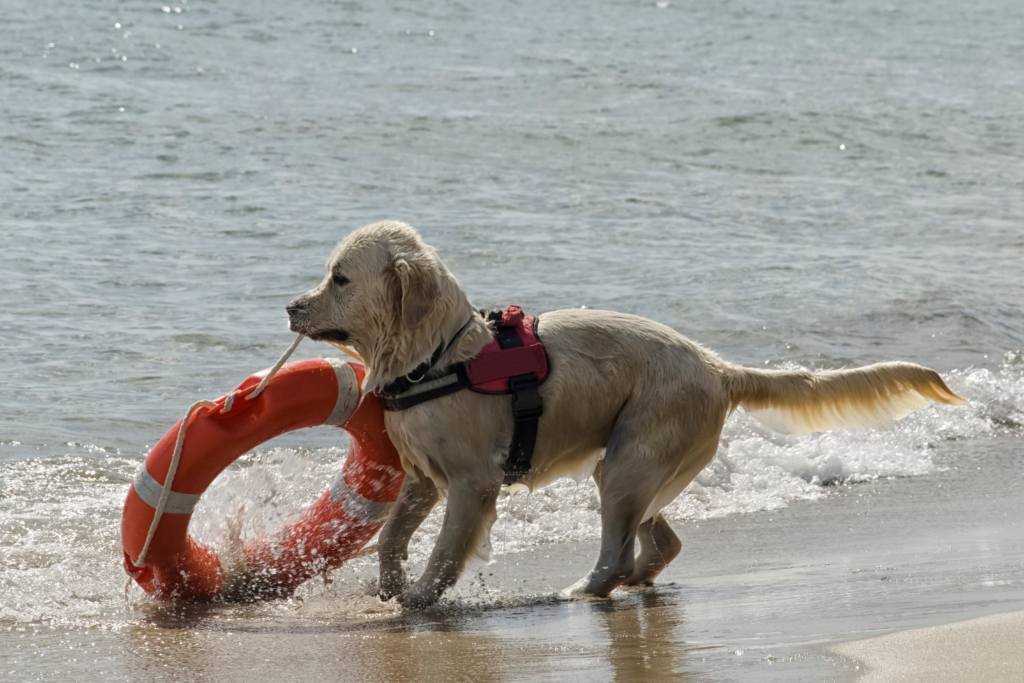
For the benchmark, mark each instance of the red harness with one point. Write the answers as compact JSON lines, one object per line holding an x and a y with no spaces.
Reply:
{"x":513,"y":363}
{"x":492,"y":368}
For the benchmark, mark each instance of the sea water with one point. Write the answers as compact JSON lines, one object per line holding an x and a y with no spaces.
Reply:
{"x":808,"y":185}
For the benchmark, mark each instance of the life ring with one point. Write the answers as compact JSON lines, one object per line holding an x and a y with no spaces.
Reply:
{"x":302,"y":394}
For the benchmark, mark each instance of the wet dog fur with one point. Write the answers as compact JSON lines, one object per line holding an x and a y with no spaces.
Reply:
{"x":632,"y":402}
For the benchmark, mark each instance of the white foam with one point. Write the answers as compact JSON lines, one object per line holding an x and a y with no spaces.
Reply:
{"x":60,"y":548}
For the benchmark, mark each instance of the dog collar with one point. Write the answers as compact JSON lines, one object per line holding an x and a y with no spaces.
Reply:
{"x":406,"y":382}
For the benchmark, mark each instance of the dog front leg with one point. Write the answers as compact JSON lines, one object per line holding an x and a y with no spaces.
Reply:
{"x":470,"y":512}
{"x":416,"y":499}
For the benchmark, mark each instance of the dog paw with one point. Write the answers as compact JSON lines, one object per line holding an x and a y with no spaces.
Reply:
{"x":578,"y":589}
{"x":415,"y":599}
{"x":373,"y":588}
{"x":585,"y":588}
{"x":391,"y":582}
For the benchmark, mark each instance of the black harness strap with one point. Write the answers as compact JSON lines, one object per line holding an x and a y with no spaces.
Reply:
{"x":507,"y":337}
{"x":527,"y":407}
{"x":454,"y":378}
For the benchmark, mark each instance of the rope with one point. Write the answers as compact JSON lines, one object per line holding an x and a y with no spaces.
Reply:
{"x":347,"y":350}
{"x":230,"y":399}
{"x":165,"y":494}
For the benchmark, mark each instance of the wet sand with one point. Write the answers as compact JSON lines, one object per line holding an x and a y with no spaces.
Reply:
{"x":756,"y":597}
{"x":986,"y":649}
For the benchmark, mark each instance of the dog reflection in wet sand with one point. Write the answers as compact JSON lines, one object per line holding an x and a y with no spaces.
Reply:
{"x":630,"y":401}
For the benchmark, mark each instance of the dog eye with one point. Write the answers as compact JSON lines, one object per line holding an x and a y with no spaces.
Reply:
{"x":340,"y":280}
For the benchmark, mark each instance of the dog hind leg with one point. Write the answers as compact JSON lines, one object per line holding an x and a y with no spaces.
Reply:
{"x":659,"y":545}
{"x":615,"y":561}
{"x":654,"y":452}
{"x":629,"y":479}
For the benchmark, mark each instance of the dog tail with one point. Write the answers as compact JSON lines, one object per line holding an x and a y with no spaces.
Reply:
{"x":796,"y":402}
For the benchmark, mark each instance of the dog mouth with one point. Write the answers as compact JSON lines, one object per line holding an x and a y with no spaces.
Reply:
{"x":339,"y":336}
{"x":295,"y":324}
{"x":298,"y":321}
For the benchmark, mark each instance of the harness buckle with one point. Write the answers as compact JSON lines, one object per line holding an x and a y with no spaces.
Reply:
{"x":526,"y":401}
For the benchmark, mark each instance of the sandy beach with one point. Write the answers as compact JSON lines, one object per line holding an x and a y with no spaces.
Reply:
{"x":986,"y":649}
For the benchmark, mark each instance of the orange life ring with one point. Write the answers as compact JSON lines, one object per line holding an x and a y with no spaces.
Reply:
{"x":302,"y":394}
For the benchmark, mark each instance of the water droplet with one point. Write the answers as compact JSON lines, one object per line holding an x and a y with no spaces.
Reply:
{"x":117,"y":25}
{"x":431,"y":33}
{"x":842,"y":146}
{"x":354,"y":50}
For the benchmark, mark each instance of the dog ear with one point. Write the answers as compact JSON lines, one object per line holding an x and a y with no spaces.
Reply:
{"x":418,"y":291}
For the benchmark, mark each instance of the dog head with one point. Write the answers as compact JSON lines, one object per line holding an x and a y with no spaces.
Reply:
{"x":387,"y":294}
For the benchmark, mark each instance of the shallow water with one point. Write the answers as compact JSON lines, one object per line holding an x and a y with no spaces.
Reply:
{"x":812,"y":185}
{"x":752,"y":598}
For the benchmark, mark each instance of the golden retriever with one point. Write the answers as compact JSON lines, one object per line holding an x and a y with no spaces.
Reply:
{"x":631,"y":401}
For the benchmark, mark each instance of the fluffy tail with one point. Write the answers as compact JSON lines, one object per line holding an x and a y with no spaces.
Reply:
{"x":796,"y":402}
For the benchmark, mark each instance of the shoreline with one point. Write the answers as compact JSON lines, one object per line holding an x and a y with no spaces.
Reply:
{"x":982,"y":649}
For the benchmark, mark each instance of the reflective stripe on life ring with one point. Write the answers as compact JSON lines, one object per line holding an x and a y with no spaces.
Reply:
{"x":149,"y":491}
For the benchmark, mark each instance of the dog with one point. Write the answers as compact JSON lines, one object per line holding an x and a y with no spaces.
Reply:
{"x":632,"y":402}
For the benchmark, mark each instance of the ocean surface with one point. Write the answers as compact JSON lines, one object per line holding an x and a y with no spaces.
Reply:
{"x":791,"y":184}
